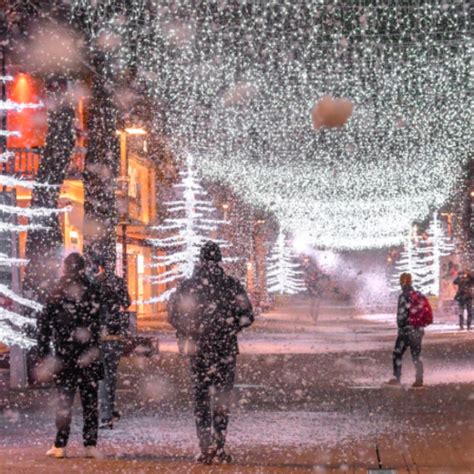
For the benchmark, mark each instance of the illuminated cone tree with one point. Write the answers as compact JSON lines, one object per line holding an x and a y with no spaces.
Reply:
{"x":436,"y":246}
{"x":284,"y":275}
{"x":410,"y":261}
{"x":190,"y":224}
{"x":12,"y":319}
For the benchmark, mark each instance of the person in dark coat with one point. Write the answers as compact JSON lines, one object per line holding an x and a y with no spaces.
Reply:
{"x":114,"y":294}
{"x":208,"y":310}
{"x":464,"y":295}
{"x":71,"y":320}
{"x":314,"y":285}
{"x":408,"y":336}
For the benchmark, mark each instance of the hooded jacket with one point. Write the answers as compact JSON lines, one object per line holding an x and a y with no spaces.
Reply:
{"x":211,"y":308}
{"x":71,"y":320}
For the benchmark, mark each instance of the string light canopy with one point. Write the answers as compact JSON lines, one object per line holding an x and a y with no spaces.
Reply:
{"x":234,"y":83}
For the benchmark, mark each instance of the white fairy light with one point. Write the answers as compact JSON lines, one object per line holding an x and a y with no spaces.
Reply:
{"x":408,"y":262}
{"x":236,"y":83}
{"x":436,"y":246}
{"x":409,"y":133}
{"x":8,"y":133}
{"x":11,"y":181}
{"x":11,"y":106}
{"x":5,"y":291}
{"x":189,"y":226}
{"x":11,"y":322}
{"x":284,"y":274}
{"x":32,"y":212}
{"x":6,"y":261}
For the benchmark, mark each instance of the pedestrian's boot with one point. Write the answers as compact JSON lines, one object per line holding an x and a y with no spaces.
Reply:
{"x":206,"y":456}
{"x":222,"y":457}
{"x":418,"y":384}
{"x":394,"y":382}
{"x":58,"y":453}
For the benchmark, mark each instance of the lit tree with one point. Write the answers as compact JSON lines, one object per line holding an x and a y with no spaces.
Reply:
{"x":283,"y":274}
{"x":437,"y":245}
{"x":11,"y":320}
{"x":190,"y":225}
{"x":409,"y":261}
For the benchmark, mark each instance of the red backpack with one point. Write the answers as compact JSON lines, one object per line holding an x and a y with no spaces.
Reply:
{"x":420,"y":312}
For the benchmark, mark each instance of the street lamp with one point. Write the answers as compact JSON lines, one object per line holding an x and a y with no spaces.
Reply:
{"x":123,"y":190}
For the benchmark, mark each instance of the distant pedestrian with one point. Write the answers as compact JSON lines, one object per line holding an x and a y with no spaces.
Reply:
{"x":71,"y":321}
{"x":464,"y":296}
{"x":413,"y":314}
{"x":312,"y":285}
{"x":114,"y":327}
{"x":208,"y":310}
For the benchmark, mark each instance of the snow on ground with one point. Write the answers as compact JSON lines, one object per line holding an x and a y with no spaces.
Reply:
{"x":283,"y":332}
{"x":389,"y":320}
{"x":176,"y":432}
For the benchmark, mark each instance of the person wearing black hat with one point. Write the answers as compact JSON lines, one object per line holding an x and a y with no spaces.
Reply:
{"x":208,"y":310}
{"x":71,"y":319}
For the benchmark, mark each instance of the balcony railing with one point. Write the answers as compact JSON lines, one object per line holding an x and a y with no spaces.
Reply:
{"x":26,"y":162}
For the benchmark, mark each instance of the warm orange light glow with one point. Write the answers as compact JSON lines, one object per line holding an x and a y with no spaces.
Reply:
{"x":30,"y":123}
{"x":135,"y":131}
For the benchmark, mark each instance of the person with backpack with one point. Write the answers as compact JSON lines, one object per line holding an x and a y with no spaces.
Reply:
{"x":208,"y":310}
{"x":71,"y":320}
{"x":114,"y":322}
{"x":414,"y":313}
{"x":464,"y":296}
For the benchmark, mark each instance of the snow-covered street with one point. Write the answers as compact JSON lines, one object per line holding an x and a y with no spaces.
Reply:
{"x":309,"y":397}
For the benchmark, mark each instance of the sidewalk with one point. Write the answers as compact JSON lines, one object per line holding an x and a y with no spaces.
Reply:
{"x":321,"y":408}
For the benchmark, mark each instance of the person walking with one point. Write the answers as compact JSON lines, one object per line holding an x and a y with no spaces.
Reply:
{"x":314,"y":282}
{"x":208,"y":310}
{"x":464,"y":295}
{"x":114,"y":327}
{"x":413,"y":314}
{"x":71,"y":319}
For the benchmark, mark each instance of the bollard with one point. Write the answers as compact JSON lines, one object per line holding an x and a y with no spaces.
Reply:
{"x":18,"y":368}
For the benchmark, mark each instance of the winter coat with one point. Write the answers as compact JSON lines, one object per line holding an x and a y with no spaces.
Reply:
{"x":71,"y":319}
{"x":465,"y":288}
{"x":403,"y":308}
{"x":210,"y":308}
{"x":114,"y":294}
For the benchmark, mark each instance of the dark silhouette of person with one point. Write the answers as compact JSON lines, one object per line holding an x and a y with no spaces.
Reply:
{"x":408,"y":336}
{"x":114,"y":327}
{"x":71,"y":320}
{"x":464,"y":295}
{"x":208,"y":310}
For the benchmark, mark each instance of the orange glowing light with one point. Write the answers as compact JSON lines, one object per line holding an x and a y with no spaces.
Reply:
{"x":31,"y":123}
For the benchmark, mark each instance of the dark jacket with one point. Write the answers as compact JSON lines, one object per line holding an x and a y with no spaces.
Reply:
{"x":465,"y":284}
{"x":211,"y":308}
{"x":71,"y":319}
{"x":403,"y":308}
{"x":114,"y":295}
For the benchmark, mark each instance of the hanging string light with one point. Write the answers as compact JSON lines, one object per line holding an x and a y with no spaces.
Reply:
{"x":235,"y":83}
